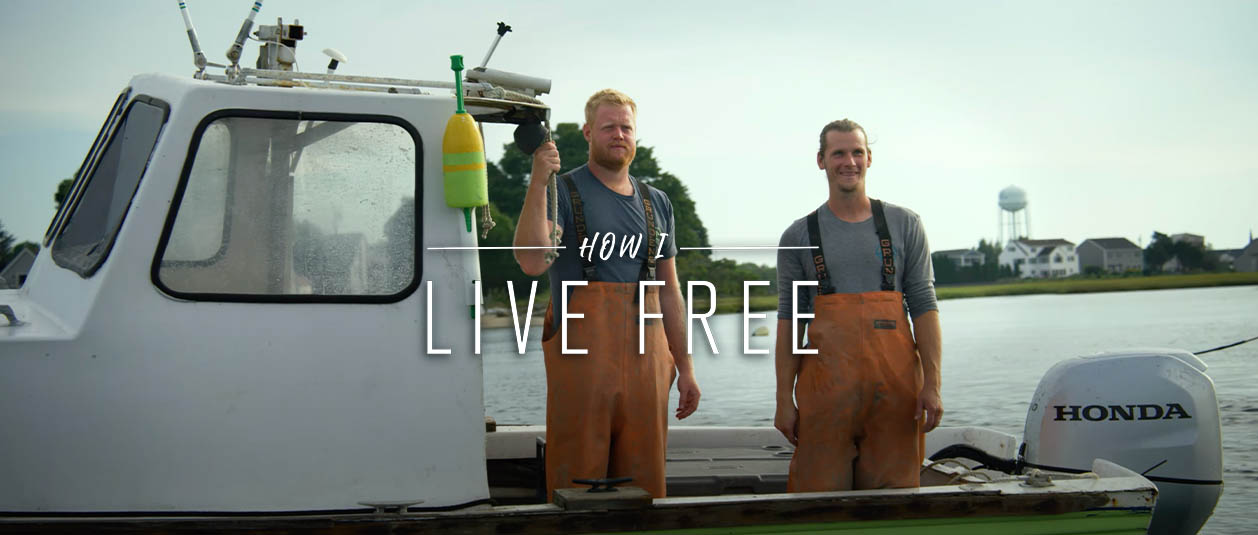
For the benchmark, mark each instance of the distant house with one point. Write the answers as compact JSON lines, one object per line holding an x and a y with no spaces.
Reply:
{"x":1191,"y":239}
{"x":14,"y":275}
{"x":1224,"y":258}
{"x":1115,"y":255}
{"x":1040,"y":258}
{"x":1248,"y":259}
{"x":963,"y":257}
{"x":1174,"y":265}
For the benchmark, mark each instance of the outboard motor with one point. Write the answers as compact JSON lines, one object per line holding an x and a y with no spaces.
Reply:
{"x":1152,"y":411}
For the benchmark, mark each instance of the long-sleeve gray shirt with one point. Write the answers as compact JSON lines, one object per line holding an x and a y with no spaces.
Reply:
{"x":855,"y":260}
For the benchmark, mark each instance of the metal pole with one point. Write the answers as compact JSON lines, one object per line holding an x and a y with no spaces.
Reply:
{"x":502,"y":30}
{"x":198,"y":57}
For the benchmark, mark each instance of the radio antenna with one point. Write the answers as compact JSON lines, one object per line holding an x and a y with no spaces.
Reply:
{"x":233,"y":53}
{"x":198,"y":57}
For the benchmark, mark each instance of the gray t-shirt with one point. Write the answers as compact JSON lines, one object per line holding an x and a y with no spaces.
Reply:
{"x":609,"y":212}
{"x":854,"y":259}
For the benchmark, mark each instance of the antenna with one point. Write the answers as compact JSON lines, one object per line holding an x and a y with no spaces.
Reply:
{"x":337,"y":59}
{"x":198,"y":57}
{"x":233,"y":53}
{"x":503,"y":28}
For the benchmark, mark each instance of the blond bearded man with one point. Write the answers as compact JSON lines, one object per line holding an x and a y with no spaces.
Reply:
{"x":606,"y":410}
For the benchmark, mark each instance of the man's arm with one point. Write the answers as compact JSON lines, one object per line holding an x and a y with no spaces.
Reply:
{"x":929,"y":339}
{"x":919,"y":291}
{"x":675,"y":331}
{"x":533,"y":229}
{"x":786,"y":364}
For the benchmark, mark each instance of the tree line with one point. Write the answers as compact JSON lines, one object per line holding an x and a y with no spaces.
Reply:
{"x":1190,"y":256}
{"x":508,"y":182}
{"x":9,"y":249}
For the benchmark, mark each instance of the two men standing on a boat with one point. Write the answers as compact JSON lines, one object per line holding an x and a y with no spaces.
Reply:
{"x":606,"y":403}
{"x":867,"y":385}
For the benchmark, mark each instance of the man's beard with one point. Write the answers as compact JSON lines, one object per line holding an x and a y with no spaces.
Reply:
{"x":608,"y":160}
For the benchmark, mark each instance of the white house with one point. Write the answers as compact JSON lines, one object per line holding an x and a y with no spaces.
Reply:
{"x":1040,"y":258}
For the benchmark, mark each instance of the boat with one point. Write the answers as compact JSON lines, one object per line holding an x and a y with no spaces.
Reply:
{"x":256,"y":311}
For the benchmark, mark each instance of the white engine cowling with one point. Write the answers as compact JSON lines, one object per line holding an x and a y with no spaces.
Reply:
{"x":1150,"y":410}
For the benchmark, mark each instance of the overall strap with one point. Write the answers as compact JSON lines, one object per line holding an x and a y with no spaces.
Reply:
{"x":824,"y":285}
{"x":884,"y":246}
{"x":648,"y":267}
{"x":578,"y":217}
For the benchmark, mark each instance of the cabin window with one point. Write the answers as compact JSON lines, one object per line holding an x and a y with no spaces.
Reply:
{"x":75,"y":188}
{"x":199,"y":233}
{"x":85,"y":239}
{"x":280,"y":207}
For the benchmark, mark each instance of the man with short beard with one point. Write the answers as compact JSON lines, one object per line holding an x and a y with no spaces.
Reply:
{"x":606,"y":408}
{"x":867,"y":385}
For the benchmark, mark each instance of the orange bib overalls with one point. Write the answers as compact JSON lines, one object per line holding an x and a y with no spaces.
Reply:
{"x":858,"y":394}
{"x":607,"y":411}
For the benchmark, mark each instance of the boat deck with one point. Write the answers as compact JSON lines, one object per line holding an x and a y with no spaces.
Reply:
{"x":700,"y":462}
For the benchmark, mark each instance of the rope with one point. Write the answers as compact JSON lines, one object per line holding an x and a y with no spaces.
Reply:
{"x":942,"y":462}
{"x":1233,"y":344}
{"x":486,"y":222}
{"x":966,"y":471}
{"x":971,"y":473}
{"x":552,"y":190}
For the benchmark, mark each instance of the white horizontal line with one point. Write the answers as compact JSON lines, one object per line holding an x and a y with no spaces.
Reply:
{"x":750,"y":247}
{"x":742,"y":248}
{"x":488,"y":247}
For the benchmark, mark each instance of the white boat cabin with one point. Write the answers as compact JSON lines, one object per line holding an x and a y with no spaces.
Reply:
{"x":229,"y":315}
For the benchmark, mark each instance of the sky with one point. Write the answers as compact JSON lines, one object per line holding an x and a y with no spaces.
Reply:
{"x":1118,"y":118}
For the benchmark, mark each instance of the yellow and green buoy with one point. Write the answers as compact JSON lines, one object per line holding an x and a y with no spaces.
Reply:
{"x":463,"y":155}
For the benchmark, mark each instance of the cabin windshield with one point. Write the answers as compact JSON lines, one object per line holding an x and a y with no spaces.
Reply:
{"x":83,"y":244}
{"x":272,"y":207}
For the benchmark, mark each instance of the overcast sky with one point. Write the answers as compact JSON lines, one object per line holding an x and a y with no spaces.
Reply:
{"x":1117,"y":118}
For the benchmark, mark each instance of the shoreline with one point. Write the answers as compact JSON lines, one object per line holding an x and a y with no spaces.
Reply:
{"x":761,"y":303}
{"x":1107,"y":284}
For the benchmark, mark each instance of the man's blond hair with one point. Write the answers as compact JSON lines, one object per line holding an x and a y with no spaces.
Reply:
{"x":607,"y":96}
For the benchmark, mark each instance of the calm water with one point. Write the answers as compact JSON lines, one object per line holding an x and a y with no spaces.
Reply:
{"x":995,"y":351}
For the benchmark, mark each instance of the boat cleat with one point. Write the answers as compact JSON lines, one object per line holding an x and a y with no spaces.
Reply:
{"x":396,"y":507}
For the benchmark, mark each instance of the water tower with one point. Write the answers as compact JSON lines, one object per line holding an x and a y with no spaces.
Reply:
{"x":1015,"y":220}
